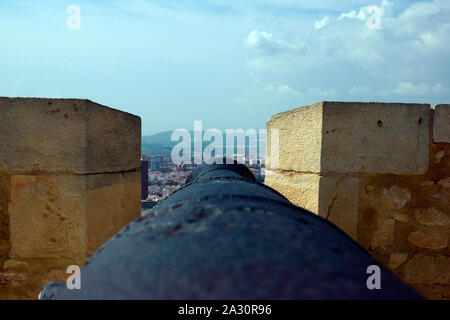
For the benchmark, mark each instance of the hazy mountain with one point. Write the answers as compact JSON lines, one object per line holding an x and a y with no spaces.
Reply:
{"x":160,"y":143}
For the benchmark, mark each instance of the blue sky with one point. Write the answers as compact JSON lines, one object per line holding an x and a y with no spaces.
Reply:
{"x":229,"y":63}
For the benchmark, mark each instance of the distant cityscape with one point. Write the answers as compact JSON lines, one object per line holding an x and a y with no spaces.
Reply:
{"x":160,"y":177}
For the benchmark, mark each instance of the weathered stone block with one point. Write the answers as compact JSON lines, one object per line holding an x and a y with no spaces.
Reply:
{"x":15,"y":265}
{"x":433,"y":291}
{"x":47,"y":215}
{"x":445,"y":183}
{"x":70,"y":215}
{"x":394,"y":198}
{"x":432,"y":217}
{"x":441,"y":123}
{"x":428,"y":269}
{"x":400,"y":208}
{"x":396,"y":259}
{"x":400,"y":217}
{"x":4,"y":216}
{"x":113,"y":140}
{"x":69,"y":179}
{"x":341,"y":208}
{"x":112,"y":201}
{"x":301,"y":189}
{"x":66,"y":136}
{"x":332,"y":198}
{"x":299,"y":139}
{"x":330,"y":137}
{"x":384,"y":235}
{"x":428,"y":238}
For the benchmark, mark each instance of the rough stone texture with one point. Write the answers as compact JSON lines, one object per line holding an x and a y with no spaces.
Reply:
{"x":429,"y":239}
{"x":399,"y":217}
{"x":402,"y":205}
{"x":25,"y":283}
{"x":64,"y":163}
{"x":342,"y":207}
{"x":300,"y":139}
{"x":397,"y":134}
{"x":396,"y":259}
{"x":384,"y":235}
{"x":441,"y":123}
{"x":426,"y":269}
{"x":4,"y":216}
{"x":445,"y":183}
{"x":122,"y":142}
{"x":330,"y":137}
{"x":438,"y":157}
{"x":111,"y":202}
{"x":330,"y":197}
{"x":420,"y":222}
{"x":394,"y":197}
{"x":433,"y":291}
{"x":48,"y":216}
{"x":80,"y":136}
{"x":10,"y":279}
{"x":301,"y":189}
{"x":432,"y":217}
{"x":15,"y":265}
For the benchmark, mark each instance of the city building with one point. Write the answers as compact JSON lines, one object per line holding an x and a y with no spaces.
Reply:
{"x":144,"y":178}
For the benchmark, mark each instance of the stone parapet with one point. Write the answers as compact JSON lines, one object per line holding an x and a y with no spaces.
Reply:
{"x":378,"y":171}
{"x":69,"y":179}
{"x":441,"y":123}
{"x":66,"y":136}
{"x":333,"y":137}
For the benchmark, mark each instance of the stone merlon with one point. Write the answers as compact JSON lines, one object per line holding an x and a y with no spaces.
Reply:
{"x":69,"y":179}
{"x":378,"y":171}
{"x":67,"y":136}
{"x":353,"y":137}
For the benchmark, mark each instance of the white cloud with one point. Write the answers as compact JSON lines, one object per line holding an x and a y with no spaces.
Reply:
{"x":361,"y":15}
{"x":430,"y":39}
{"x":411,"y":89}
{"x":319,"y":24}
{"x":424,"y":9}
{"x":265,"y":43}
{"x":438,"y":88}
{"x":260,"y":40}
{"x":290,"y":4}
{"x":365,"y":12}
{"x":426,"y":22}
{"x":283,"y":90}
{"x":327,"y":93}
{"x":406,"y":59}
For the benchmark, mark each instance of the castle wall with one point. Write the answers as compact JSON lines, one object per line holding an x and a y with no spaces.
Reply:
{"x":378,"y":171}
{"x":69,"y":179}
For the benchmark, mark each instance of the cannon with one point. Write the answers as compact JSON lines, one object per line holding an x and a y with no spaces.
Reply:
{"x":223,"y":235}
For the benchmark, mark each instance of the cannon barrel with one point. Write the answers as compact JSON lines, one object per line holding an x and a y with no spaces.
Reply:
{"x":223,"y":235}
